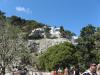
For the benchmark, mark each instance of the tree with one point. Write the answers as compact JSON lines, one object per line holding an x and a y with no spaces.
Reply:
{"x":86,"y":45}
{"x":17,"y":21}
{"x":2,"y":15}
{"x":66,"y":33}
{"x":69,"y":34}
{"x":31,"y":24}
{"x":57,"y":56}
{"x":12,"y":46}
{"x":87,"y":31}
{"x":97,"y":44}
{"x":47,"y":31}
{"x":2,"y":18}
{"x":61,"y":28}
{"x":62,"y":32}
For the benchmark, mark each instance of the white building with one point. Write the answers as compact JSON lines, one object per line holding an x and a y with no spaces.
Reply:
{"x":37,"y":32}
{"x":54,"y":32}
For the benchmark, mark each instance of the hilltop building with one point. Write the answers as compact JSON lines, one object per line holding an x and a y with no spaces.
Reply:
{"x":40,"y":45}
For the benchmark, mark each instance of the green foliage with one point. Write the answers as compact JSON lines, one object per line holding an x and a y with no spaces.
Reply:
{"x":31,"y":24}
{"x":86,"y":46}
{"x":2,"y":15}
{"x":86,"y":51}
{"x":62,"y":31}
{"x":47,"y":31}
{"x":61,"y":54}
{"x":28,"y":25}
{"x":69,"y":34}
{"x":66,"y":33}
{"x":97,"y":44}
{"x":87,"y":31}
{"x":17,"y":21}
{"x":12,"y":45}
{"x":25,"y":25}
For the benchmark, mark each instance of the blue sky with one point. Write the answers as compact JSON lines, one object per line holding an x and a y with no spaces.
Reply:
{"x":72,"y":14}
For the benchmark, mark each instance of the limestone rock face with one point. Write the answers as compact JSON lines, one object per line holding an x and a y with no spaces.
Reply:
{"x":42,"y":44}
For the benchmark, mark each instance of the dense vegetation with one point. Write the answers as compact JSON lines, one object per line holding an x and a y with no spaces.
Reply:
{"x":86,"y":51}
{"x":28,"y":25}
{"x":66,"y":33}
{"x":65,"y":54}
{"x":13,"y":48}
{"x":58,"y":55}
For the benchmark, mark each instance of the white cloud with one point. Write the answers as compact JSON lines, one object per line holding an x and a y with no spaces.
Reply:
{"x":23,"y":9}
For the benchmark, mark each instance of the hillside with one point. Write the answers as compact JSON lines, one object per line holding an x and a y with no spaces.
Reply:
{"x":28,"y":25}
{"x":41,"y":35}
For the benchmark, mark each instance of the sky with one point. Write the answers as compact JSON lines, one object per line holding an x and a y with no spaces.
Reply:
{"x":71,"y":14}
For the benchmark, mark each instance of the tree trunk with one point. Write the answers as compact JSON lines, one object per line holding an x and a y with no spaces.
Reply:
{"x":3,"y":71}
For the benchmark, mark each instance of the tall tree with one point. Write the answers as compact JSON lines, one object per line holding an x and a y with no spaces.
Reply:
{"x":86,"y":44}
{"x":97,"y":44}
{"x":12,"y":46}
